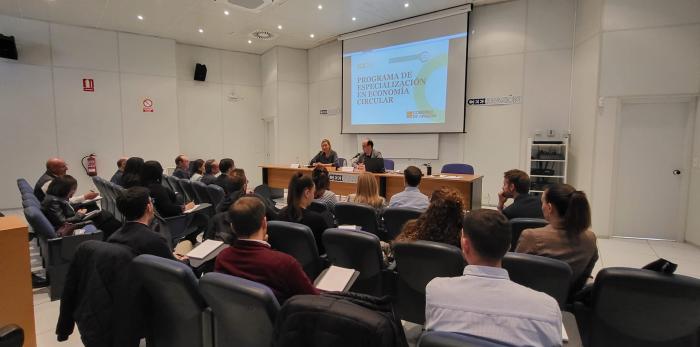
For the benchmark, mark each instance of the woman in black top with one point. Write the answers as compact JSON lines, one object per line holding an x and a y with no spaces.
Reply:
{"x":299,"y":197}
{"x":132,"y":172}
{"x":58,"y":210}
{"x":326,"y":155}
{"x":164,"y":199}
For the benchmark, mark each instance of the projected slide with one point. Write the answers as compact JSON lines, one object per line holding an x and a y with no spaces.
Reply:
{"x":402,"y":84}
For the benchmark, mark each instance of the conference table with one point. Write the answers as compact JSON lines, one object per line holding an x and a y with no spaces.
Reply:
{"x":390,"y":183}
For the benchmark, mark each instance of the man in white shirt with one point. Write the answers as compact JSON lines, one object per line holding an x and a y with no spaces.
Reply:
{"x":57,"y":167}
{"x":411,"y":197}
{"x":485,"y":302}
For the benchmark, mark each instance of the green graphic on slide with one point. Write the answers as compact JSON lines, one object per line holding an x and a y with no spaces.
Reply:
{"x":419,"y":96}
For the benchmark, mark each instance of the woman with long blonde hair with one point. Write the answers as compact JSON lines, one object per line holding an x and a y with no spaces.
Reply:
{"x":367,"y":191}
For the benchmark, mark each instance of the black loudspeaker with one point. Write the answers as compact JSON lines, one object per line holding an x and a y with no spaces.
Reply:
{"x":200,"y":72}
{"x":8,"y":49}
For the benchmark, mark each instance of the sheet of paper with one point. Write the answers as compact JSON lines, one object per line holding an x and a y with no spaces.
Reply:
{"x":204,"y":249}
{"x":347,"y":227}
{"x":335,"y":279}
{"x":564,"y":335}
{"x":192,"y":209}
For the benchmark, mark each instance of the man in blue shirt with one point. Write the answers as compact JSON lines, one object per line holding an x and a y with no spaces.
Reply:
{"x":411,"y":197}
{"x":484,"y":302}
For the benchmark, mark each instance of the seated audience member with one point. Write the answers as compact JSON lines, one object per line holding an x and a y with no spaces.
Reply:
{"x":567,"y":237}
{"x":238,"y":186}
{"x":197,"y":170}
{"x":211,"y":171}
{"x":182,"y":167}
{"x":163,"y":198}
{"x":132,"y":172}
{"x":441,"y":222}
{"x":367,"y":152}
{"x":58,"y":210}
{"x":251,"y":257}
{"x":411,"y":196}
{"x":367,"y":192}
{"x":323,"y":194}
{"x":56,"y":167}
{"x":117,"y":177}
{"x":326,"y":156}
{"x":299,"y":196}
{"x":223,"y":180}
{"x":137,"y":208}
{"x":516,"y":185}
{"x":484,"y":302}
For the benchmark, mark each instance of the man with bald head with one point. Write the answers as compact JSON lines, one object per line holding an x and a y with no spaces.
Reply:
{"x":56,"y":167}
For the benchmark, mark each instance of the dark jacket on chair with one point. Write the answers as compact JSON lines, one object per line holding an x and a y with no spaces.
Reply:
{"x":208,"y":179}
{"x":102,"y":297}
{"x":524,"y":206}
{"x":225,"y":182}
{"x":59,"y":211}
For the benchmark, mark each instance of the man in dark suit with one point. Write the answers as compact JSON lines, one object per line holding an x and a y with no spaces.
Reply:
{"x":137,"y":208}
{"x":117,"y":177}
{"x":211,"y":171}
{"x":182,"y":167}
{"x":226,"y":166}
{"x":516,"y":185}
{"x":252,"y":258}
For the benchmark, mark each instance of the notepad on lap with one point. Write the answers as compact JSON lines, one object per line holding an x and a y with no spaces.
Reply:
{"x":205,"y":251}
{"x":336,"y":279}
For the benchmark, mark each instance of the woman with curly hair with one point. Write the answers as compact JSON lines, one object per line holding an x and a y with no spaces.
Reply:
{"x":441,"y":222}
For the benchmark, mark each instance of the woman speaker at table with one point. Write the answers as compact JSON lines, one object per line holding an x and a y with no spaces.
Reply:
{"x":326,"y":156}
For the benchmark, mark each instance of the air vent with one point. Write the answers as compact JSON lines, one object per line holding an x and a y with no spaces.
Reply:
{"x":251,"y":5}
{"x":263,"y":35}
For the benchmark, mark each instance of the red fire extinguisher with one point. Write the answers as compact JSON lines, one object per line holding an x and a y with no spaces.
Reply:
{"x":91,"y":168}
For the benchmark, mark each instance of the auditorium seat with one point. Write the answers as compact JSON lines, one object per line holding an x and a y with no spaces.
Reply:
{"x":547,"y":275}
{"x":635,"y":307}
{"x":446,"y":339}
{"x":350,"y":213}
{"x":457,"y":168}
{"x":11,"y":335}
{"x":24,"y":186}
{"x":57,"y":252}
{"x":115,"y":191}
{"x":244,"y":311}
{"x":174,"y":228}
{"x":417,"y":263}
{"x":177,"y":315}
{"x":201,"y":191}
{"x":216,"y":193}
{"x":360,"y":251}
{"x":298,"y":241}
{"x":342,"y":162}
{"x":190,"y":193}
{"x":396,"y":217}
{"x":517,"y":225}
{"x":388,"y":164}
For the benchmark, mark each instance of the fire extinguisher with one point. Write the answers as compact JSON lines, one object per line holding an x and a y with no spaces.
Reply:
{"x":91,"y":168}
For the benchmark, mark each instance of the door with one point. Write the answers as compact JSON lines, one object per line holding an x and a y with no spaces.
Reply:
{"x":653,"y":148}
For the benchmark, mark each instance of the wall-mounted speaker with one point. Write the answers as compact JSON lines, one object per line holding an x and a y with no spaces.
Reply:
{"x":8,"y":49}
{"x":200,"y":72}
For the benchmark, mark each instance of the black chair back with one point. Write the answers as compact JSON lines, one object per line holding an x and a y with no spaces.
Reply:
{"x":177,"y":312}
{"x":202,"y":193}
{"x":298,"y":241}
{"x":358,"y":214}
{"x":445,"y":339}
{"x":165,"y":182}
{"x":551,"y":276}
{"x":244,"y":311}
{"x":395,"y":218}
{"x":11,"y":336}
{"x":189,"y":190}
{"x":634,"y":307}
{"x":417,"y":263}
{"x":517,"y":225}
{"x":175,"y":184}
{"x":216,"y":193}
{"x":360,"y":251}
{"x":106,"y":201}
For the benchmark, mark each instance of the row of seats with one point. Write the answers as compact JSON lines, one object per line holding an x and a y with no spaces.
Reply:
{"x":56,"y":252}
{"x":194,"y":190}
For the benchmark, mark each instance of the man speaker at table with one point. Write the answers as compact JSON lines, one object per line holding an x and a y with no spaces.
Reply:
{"x":367,"y":152}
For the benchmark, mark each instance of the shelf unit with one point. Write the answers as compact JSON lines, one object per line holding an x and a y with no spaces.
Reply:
{"x":548,"y":163}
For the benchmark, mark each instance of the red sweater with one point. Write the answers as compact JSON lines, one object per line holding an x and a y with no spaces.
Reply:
{"x":257,"y":262}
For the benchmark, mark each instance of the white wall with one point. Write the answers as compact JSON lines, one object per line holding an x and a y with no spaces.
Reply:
{"x":45,"y":112}
{"x":693,"y":222}
{"x":522,"y":48}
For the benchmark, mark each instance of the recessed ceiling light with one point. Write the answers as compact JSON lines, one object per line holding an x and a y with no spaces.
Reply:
{"x":200,"y":30}
{"x":279,"y":27}
{"x":354,"y":19}
{"x":250,"y":41}
{"x":312,"y":36}
{"x":226,"y":12}
{"x":140,"y":17}
{"x":406,"y":4}
{"x":320,"y":7}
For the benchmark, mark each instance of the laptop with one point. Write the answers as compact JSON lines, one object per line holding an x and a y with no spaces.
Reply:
{"x":374,"y":165}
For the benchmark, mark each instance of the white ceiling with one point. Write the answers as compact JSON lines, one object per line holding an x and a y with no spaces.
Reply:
{"x":181,"y":19}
